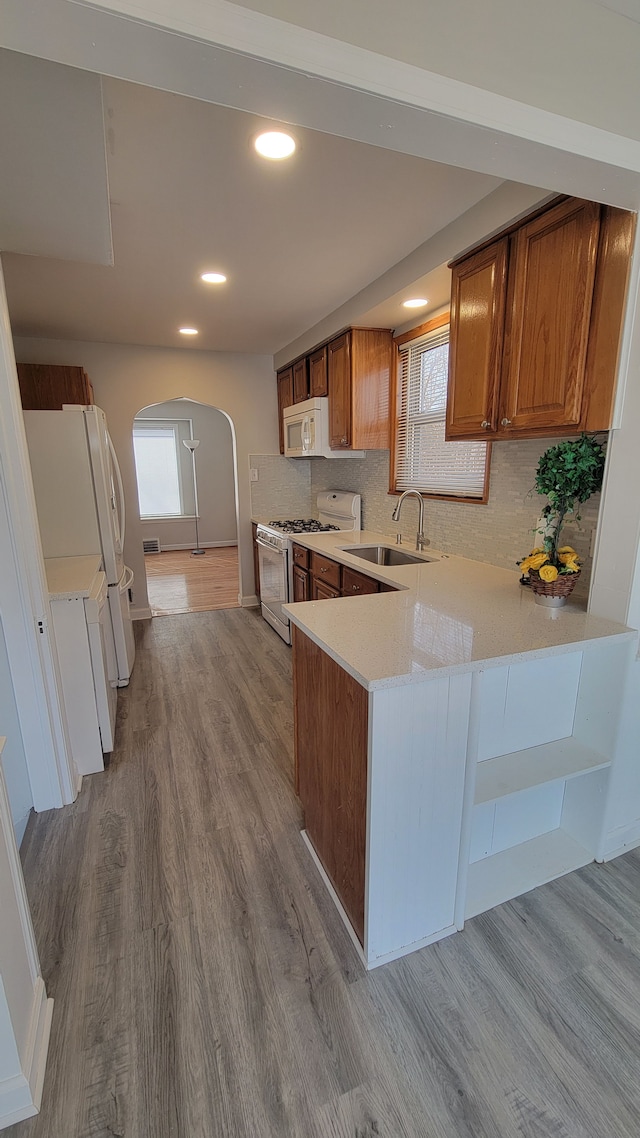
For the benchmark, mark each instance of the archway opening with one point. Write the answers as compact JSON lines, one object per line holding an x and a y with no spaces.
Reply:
{"x":185,"y":468}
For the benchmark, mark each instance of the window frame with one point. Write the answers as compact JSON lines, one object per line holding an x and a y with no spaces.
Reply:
{"x":174,"y":423}
{"x":395,"y":404}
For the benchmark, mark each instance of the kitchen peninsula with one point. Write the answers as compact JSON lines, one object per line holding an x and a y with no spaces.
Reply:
{"x":454,"y":741}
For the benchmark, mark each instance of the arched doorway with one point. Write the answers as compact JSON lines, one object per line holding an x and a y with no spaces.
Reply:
{"x":185,"y":468}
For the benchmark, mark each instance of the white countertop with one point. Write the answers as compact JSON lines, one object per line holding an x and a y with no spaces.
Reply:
{"x":71,"y":577}
{"x":451,"y":616}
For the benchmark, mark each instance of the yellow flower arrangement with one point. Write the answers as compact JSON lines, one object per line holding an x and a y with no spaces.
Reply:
{"x":542,"y":563}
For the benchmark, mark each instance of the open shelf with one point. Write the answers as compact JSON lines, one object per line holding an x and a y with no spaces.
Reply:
{"x":517,"y":870}
{"x":521,"y":770}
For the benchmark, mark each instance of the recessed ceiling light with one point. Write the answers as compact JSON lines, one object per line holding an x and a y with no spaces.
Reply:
{"x":213,"y":278}
{"x":416,"y":302}
{"x":188,"y":331}
{"x":275,"y":144}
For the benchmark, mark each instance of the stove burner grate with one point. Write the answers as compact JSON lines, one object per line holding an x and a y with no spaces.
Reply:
{"x":302,"y":525}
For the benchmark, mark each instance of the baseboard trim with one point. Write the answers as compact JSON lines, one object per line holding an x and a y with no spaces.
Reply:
{"x":141,"y":613}
{"x":250,"y":602}
{"x":21,"y":1095}
{"x":621,"y":841}
{"x":203,"y":545}
{"x":375,"y":961}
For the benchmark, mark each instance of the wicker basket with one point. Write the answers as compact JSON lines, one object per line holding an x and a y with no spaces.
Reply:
{"x":559,"y":589}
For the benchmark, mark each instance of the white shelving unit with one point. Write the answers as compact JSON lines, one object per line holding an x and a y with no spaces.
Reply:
{"x":542,"y":734}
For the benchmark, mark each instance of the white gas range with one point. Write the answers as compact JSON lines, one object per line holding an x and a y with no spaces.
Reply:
{"x":337,"y":510}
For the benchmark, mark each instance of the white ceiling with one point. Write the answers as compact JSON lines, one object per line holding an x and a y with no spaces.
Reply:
{"x":296,"y":239}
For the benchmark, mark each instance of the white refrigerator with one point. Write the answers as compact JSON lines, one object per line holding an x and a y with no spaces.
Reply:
{"x":80,"y":502}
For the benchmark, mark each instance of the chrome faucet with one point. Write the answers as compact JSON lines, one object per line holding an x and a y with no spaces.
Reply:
{"x":420,"y":538}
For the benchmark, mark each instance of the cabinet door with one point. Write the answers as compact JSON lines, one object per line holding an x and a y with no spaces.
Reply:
{"x":355,"y":584}
{"x":478,"y":304}
{"x":321,"y":591}
{"x":331,"y":728}
{"x":318,"y":378}
{"x":300,"y":381}
{"x":45,"y":387}
{"x":300,"y":584}
{"x":285,"y":399}
{"x":552,"y":272}
{"x":339,"y":371}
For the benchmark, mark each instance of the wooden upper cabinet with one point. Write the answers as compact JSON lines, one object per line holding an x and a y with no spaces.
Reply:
{"x":318,"y":377}
{"x":541,"y":357}
{"x":553,"y":277}
{"x":339,"y":365}
{"x":300,"y":381}
{"x":285,"y":399}
{"x":46,"y":387}
{"x":359,"y":371}
{"x":478,"y":306}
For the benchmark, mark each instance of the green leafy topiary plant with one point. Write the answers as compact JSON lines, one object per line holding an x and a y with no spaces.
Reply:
{"x":567,"y":473}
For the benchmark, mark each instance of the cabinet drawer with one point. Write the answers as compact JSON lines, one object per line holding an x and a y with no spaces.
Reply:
{"x":325,"y":570}
{"x":354,"y":583}
{"x":301,"y":556}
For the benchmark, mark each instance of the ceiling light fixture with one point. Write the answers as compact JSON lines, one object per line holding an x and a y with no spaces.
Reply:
{"x":188,"y":331}
{"x":213,"y":278}
{"x":275,"y":144}
{"x":416,"y":302}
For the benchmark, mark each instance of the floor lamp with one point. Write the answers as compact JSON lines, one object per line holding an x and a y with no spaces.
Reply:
{"x":191,"y":445}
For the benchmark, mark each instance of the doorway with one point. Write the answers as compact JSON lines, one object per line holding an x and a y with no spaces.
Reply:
{"x":186,"y":492}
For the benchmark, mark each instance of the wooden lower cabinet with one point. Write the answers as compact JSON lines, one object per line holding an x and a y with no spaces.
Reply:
{"x":321,"y":591}
{"x":301,"y":591}
{"x":357,"y":584}
{"x":331,"y":758}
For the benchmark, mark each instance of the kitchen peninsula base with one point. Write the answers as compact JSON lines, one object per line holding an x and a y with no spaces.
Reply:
{"x":432,"y":799}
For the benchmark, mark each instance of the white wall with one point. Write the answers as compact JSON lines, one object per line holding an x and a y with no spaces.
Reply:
{"x":14,"y":763}
{"x":576,"y":58}
{"x":214,"y":477}
{"x":127,"y":378}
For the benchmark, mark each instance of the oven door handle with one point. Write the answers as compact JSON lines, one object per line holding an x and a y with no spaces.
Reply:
{"x":271,"y":548}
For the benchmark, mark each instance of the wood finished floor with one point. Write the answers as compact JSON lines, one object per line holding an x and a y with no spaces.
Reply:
{"x":205,"y":987}
{"x":178,"y":582}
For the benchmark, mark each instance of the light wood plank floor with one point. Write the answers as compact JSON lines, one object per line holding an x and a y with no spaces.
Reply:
{"x":177,"y":582}
{"x":205,"y":987}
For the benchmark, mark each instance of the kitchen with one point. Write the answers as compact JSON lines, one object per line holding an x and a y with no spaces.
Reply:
{"x":255,"y":448}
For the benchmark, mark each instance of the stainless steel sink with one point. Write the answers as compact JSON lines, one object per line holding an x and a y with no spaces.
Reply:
{"x":386,"y":555}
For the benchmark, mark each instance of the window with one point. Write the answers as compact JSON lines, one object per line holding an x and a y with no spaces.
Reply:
{"x":422,"y":459}
{"x":164,"y":473}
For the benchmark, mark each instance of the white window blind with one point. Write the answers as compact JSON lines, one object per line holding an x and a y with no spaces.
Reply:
{"x":163,"y":468}
{"x":424,"y":461}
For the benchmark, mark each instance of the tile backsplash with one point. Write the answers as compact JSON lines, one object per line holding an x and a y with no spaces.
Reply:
{"x":283,"y":489}
{"x":500,"y":532}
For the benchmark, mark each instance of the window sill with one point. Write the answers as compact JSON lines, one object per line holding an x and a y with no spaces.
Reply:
{"x":169,"y":517}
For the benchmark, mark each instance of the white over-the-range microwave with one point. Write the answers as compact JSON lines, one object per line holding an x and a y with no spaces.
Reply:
{"x":306,"y":431}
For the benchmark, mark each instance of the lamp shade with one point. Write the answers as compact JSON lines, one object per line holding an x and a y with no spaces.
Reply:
{"x":191,"y":444}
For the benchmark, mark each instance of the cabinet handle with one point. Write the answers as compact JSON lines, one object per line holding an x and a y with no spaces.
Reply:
{"x":323,"y":568}
{"x":486,"y":424}
{"x":505,"y":422}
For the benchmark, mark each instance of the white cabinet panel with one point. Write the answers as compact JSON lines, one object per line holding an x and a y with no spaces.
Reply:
{"x":528,"y":704}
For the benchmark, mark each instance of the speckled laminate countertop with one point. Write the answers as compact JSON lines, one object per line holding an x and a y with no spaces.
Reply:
{"x":71,"y":577}
{"x":449,"y":616}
